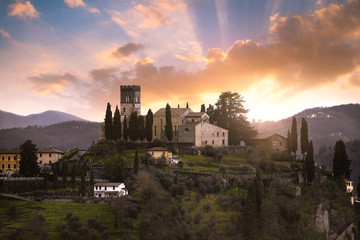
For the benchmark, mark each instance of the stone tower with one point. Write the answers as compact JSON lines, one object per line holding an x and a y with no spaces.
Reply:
{"x":129,"y":100}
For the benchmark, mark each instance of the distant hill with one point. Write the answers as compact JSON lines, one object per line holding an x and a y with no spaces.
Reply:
{"x":10,"y":120}
{"x":326,"y":124}
{"x":63,"y":136}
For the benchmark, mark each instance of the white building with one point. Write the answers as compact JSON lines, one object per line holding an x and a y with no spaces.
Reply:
{"x":109,"y":189}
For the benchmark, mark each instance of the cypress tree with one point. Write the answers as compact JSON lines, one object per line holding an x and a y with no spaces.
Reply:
{"x":73,"y":174}
{"x":64,"y":174}
{"x":141,"y":128}
{"x":125,"y":129}
{"x":149,"y":125}
{"x":294,"y":136}
{"x":117,"y":124}
{"x":304,"y":139}
{"x":133,"y":127}
{"x":136,"y":163}
{"x":341,"y":163}
{"x":288,"y":141}
{"x":178,"y":105}
{"x":29,"y":166}
{"x":187,"y":105}
{"x":108,"y":123}
{"x":168,"y":127}
{"x":310,"y":164}
{"x":202,"y":108}
{"x":82,"y":185}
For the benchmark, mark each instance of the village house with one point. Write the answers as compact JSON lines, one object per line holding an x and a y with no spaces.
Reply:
{"x":109,"y":189}
{"x":274,"y":142}
{"x":159,"y":152}
{"x":10,"y":159}
{"x":49,"y":156}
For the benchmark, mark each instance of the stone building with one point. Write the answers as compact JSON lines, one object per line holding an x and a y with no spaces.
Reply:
{"x":270,"y":142}
{"x":129,"y":100}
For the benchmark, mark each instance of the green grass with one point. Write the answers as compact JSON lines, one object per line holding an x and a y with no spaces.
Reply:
{"x":54,"y":214}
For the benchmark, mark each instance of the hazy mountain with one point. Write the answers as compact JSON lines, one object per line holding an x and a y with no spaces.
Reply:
{"x":10,"y":120}
{"x":326,"y":124}
{"x":62,"y":136}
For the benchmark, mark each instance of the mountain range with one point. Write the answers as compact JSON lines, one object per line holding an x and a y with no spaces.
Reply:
{"x":11,"y":120}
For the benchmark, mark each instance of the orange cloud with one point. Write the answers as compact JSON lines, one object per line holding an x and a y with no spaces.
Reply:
{"x":45,"y":84}
{"x":127,"y":49}
{"x":23,"y":10}
{"x":4,"y":33}
{"x":80,"y":3}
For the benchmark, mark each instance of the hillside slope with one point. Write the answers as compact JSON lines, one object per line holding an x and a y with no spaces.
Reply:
{"x":326,"y":125}
{"x":10,"y":120}
{"x":62,"y":136}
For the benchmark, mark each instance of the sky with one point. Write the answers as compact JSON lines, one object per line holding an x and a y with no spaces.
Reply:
{"x":282,"y":56}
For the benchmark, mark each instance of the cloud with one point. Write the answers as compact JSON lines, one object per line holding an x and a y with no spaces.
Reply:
{"x":23,"y":9}
{"x":127,"y":49}
{"x":4,"y":33}
{"x":80,"y":3}
{"x":45,"y":84}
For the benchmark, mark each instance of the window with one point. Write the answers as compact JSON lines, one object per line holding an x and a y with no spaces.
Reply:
{"x":113,"y":187}
{"x":127,"y":98}
{"x":40,"y":154}
{"x":9,"y":158}
{"x":223,"y":134}
{"x":9,"y":166}
{"x":15,"y":166}
{"x":223,"y":141}
{"x":186,"y":130}
{"x":124,"y":109}
{"x":40,"y":162}
{"x":152,"y":153}
{"x":2,"y":166}
{"x":205,"y":142}
{"x":49,"y":162}
{"x":15,"y":157}
{"x":49,"y":154}
{"x":193,"y":120}
{"x":95,"y":187}
{"x":105,"y":188}
{"x":3,"y":158}
{"x":217,"y":133}
{"x":212,"y":141}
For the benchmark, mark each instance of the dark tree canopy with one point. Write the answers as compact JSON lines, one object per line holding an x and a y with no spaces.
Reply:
{"x":28,"y":159}
{"x":125,"y":129}
{"x":202,"y":108}
{"x":229,"y":113}
{"x":133,"y":126}
{"x":141,"y":128}
{"x":310,"y":163}
{"x":341,"y":163}
{"x":108,"y":123}
{"x":117,"y":124}
{"x":136,"y":163}
{"x":288,"y":142}
{"x":294,"y":136}
{"x":116,"y":168}
{"x":304,"y":138}
{"x":149,"y":125}
{"x":168,"y":127}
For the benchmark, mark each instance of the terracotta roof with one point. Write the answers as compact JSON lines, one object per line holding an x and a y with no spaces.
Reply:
{"x":158,"y":149}
{"x":50,"y":150}
{"x":266,"y":136}
{"x":108,"y":184}
{"x":9,"y":151}
{"x":195,"y":114}
{"x":174,"y":112}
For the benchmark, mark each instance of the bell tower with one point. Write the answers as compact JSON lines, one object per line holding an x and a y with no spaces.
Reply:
{"x":129,"y":100}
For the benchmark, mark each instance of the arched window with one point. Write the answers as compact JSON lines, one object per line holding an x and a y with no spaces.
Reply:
{"x":186,"y":130}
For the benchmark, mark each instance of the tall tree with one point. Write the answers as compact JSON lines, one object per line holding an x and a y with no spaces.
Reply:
{"x":141,"y":128}
{"x":28,"y":159}
{"x":133,"y":126}
{"x":288,"y":142}
{"x":125,"y":129}
{"x":341,"y":163}
{"x":64,"y":167}
{"x":202,"y":108}
{"x":73,"y":174}
{"x":304,"y":138}
{"x":149,"y":125}
{"x":117,"y":124}
{"x":187,"y":105}
{"x":178,"y":105}
{"x":136,"y":163}
{"x":82,"y":183}
{"x":310,"y":163}
{"x":168,"y":127}
{"x":108,"y":123}
{"x":294,"y":136}
{"x":229,"y":113}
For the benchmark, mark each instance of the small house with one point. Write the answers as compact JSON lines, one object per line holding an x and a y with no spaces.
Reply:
{"x":158,"y":152}
{"x":270,"y":142}
{"x":109,"y":189}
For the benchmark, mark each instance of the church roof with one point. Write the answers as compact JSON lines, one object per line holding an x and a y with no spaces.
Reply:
{"x":175,"y":112}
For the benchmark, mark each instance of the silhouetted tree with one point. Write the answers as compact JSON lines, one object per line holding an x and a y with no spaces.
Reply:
{"x":117,"y":124}
{"x":141,"y":128}
{"x":288,"y":142}
{"x":125,"y":129}
{"x":187,"y":105}
{"x":168,"y":127}
{"x":82,"y":183}
{"x":136,"y":163}
{"x":108,"y":123}
{"x":64,"y":167}
{"x":202,"y":108}
{"x":341,"y":163}
{"x":28,"y":159}
{"x":149,"y":125}
{"x":73,"y":174}
{"x":133,"y":126}
{"x":294,"y":136}
{"x":310,"y":164}
{"x":304,"y":139}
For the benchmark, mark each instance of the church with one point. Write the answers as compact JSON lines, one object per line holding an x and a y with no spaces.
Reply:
{"x":189,"y":127}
